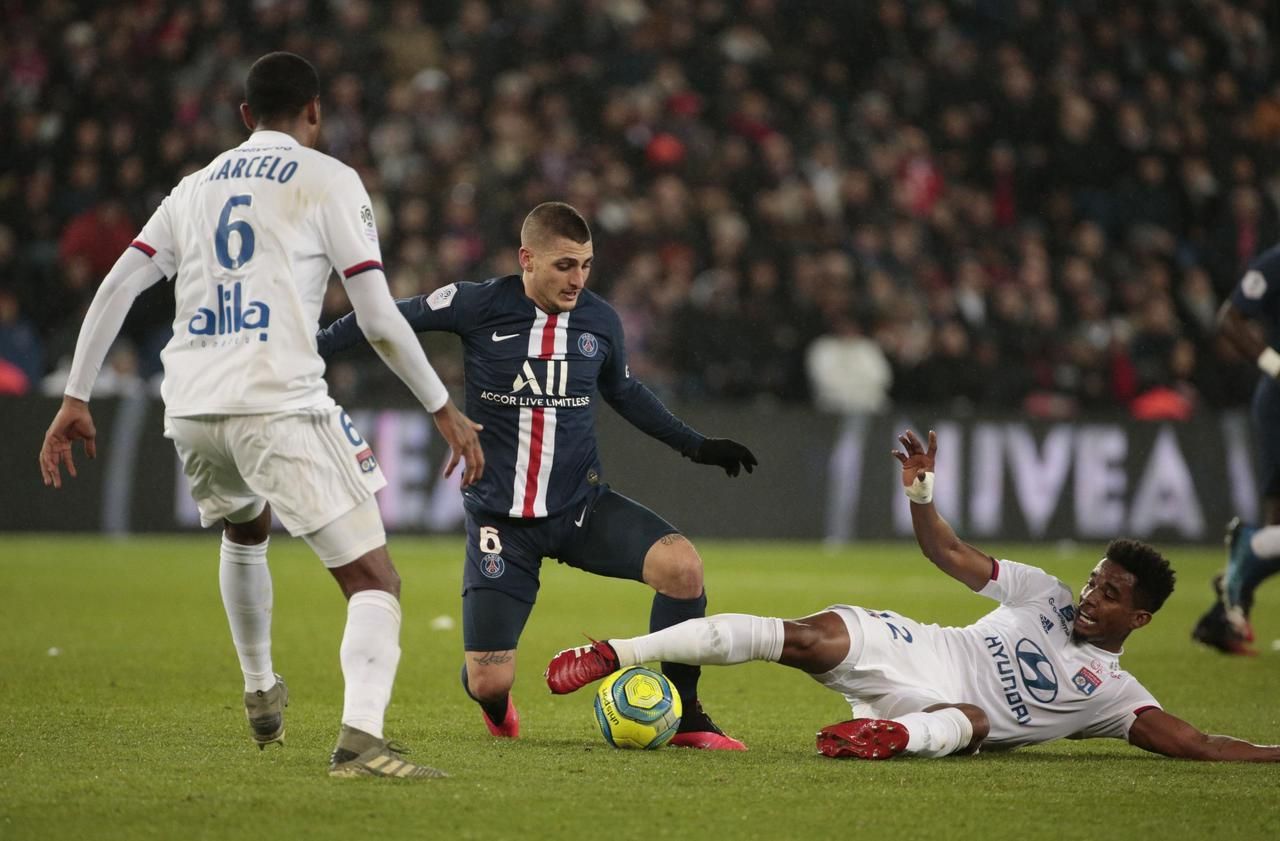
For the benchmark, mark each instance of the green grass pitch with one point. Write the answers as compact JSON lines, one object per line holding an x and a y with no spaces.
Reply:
{"x":120,"y":713}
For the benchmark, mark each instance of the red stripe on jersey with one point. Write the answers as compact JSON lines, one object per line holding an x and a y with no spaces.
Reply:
{"x":549,"y":337}
{"x":995,"y":569}
{"x":538,"y":425}
{"x":535,"y":462}
{"x":1140,"y":710}
{"x":366,"y":266}
{"x":143,"y":247}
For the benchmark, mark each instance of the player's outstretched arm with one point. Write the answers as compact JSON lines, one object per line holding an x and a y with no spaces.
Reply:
{"x":631,"y":399}
{"x":395,"y":342}
{"x":132,"y":274}
{"x":938,"y":541}
{"x":1159,"y":732}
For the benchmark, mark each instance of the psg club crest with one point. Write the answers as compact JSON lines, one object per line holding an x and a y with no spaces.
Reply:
{"x":588,"y":344}
{"x":1086,"y":681}
{"x":492,"y":566}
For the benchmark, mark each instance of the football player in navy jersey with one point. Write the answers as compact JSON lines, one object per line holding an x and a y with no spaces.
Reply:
{"x":537,"y":348}
{"x":1253,"y":553}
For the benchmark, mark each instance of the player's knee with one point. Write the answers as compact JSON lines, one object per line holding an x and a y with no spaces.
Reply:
{"x":487,"y":683}
{"x":371,"y":571}
{"x":674,"y":568}
{"x":251,"y":531}
{"x":815,"y":644}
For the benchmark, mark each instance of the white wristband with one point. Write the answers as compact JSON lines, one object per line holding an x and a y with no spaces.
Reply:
{"x":920,"y":491}
{"x":1269,"y":362}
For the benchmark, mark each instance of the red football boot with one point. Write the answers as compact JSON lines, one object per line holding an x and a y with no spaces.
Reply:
{"x":863,"y":738}
{"x":703,"y":734}
{"x":574,"y":668}
{"x":510,"y":726}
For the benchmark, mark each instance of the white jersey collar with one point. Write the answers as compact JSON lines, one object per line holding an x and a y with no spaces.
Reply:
{"x":270,"y":136}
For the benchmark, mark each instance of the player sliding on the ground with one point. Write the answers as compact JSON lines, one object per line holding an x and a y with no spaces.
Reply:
{"x":1037,"y":668}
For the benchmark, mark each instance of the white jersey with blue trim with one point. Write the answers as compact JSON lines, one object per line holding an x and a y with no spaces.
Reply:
{"x":1021,"y":665}
{"x":250,"y":241}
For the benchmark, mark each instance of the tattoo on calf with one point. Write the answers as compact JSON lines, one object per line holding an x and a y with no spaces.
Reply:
{"x":493,"y":658}
{"x":667,"y":540}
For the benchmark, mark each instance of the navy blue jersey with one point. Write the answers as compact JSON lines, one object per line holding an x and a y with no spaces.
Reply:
{"x":531,"y":378}
{"x":1257,"y":295}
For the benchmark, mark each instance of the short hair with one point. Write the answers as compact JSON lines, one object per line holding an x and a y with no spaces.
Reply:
{"x":279,"y":85}
{"x":554,"y":219}
{"x":1154,"y":579}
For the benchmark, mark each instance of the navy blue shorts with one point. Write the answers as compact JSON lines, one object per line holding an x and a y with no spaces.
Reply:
{"x":605,"y":534}
{"x":1266,"y":419}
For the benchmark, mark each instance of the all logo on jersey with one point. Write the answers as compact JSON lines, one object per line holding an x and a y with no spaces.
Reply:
{"x":1036,"y":671}
{"x":492,"y":566}
{"x":233,"y":315}
{"x":1086,"y":681}
{"x":365,"y":458}
{"x":556,"y":381}
{"x":588,"y":344}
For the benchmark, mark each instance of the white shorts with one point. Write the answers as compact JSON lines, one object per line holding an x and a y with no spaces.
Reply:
{"x":311,"y":465}
{"x":895,"y":665}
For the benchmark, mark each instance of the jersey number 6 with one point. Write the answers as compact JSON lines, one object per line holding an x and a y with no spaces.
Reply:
{"x":224,"y":230}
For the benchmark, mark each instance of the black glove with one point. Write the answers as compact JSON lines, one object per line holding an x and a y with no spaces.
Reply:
{"x":722,"y":452}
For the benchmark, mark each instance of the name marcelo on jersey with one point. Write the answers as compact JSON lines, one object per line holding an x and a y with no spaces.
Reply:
{"x":258,"y":166}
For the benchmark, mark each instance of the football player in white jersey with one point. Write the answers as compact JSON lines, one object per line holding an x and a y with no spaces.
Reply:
{"x":1039,"y":667}
{"x":249,"y":242}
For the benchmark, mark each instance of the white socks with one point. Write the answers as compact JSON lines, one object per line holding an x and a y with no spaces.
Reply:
{"x":370,"y":653}
{"x":1265,"y":542}
{"x":719,"y":640}
{"x":245,"y":582}
{"x":939,"y":733}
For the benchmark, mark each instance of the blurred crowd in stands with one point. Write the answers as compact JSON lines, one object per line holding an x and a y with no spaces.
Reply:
{"x":1010,"y":205}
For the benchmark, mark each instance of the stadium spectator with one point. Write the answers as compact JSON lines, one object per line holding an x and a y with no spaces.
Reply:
{"x":1008,"y":165}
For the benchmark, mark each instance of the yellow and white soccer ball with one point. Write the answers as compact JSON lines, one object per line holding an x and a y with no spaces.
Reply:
{"x":637,"y":709}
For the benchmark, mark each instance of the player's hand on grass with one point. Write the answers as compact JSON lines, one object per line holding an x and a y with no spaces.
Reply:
{"x":916,"y":460}
{"x":725,"y":453}
{"x":464,"y":442}
{"x":72,"y":423}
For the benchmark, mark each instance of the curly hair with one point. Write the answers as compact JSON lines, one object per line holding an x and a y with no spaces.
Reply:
{"x":1154,"y":579}
{"x":279,"y":85}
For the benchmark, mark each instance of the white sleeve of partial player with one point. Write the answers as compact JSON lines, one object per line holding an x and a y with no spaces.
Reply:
{"x":1013,"y":583}
{"x":394,"y":340}
{"x":132,"y":274}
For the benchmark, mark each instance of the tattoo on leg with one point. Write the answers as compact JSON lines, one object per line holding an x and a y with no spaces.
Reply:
{"x":493,"y":658}
{"x":668,"y":539}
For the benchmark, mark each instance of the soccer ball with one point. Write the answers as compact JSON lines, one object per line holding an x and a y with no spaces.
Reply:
{"x":637,"y":709}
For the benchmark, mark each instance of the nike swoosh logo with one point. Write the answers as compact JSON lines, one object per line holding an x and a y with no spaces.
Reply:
{"x":581,"y":517}
{"x":498,"y":338}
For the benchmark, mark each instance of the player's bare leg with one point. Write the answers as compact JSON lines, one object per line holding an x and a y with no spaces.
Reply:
{"x":487,"y":676}
{"x":673,"y":568}
{"x":245,"y":583}
{"x":370,"y":654}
